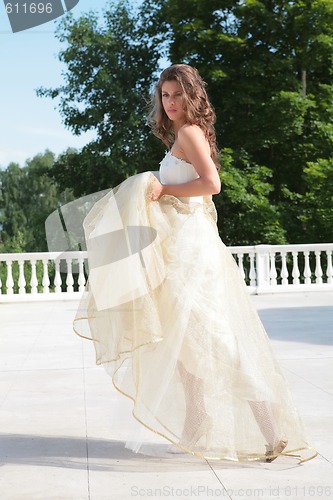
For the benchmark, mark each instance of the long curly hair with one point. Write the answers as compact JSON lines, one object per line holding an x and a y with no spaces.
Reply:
{"x":197,"y":107}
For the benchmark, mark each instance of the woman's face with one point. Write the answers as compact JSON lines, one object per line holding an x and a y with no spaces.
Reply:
{"x":173,"y":102}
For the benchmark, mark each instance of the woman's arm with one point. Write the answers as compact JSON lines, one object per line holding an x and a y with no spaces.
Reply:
{"x":192,"y":142}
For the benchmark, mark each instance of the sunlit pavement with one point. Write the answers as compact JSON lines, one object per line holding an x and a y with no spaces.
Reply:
{"x":63,"y":427}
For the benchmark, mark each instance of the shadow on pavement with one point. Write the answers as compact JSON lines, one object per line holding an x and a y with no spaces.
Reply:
{"x":107,"y":455}
{"x":312,"y":325}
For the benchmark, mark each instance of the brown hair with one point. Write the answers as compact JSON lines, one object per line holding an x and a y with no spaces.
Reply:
{"x":197,"y":107}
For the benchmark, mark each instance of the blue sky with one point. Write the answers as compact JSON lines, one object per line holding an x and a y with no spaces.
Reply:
{"x":31,"y":124}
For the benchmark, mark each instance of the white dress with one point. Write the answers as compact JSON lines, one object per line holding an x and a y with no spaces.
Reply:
{"x":166,"y":303}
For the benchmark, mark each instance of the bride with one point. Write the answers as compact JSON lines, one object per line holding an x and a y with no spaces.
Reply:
{"x":167,"y":308}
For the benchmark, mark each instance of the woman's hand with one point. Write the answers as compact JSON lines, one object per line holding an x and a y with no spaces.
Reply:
{"x":158,"y":189}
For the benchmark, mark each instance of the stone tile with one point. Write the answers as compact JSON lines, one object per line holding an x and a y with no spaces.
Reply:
{"x":64,"y":427}
{"x":317,"y":373}
{"x":44,"y":480}
{"x":281,"y":479}
{"x":48,"y":402}
{"x":156,"y":479}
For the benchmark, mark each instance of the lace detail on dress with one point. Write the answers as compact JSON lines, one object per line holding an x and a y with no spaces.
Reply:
{"x":178,"y":159}
{"x":207,"y":207}
{"x":149,"y":188}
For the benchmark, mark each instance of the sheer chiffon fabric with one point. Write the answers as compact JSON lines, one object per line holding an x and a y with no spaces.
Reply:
{"x":171,"y":320}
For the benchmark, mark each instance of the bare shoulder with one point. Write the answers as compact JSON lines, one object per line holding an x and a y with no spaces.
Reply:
{"x":191,"y":132}
{"x":192,"y":136}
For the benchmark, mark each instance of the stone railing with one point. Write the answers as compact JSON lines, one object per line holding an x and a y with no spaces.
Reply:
{"x":265,"y":269}
{"x":286,"y":268}
{"x":41,"y":275}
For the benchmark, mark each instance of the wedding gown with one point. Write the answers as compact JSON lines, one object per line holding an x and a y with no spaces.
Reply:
{"x":171,"y":319}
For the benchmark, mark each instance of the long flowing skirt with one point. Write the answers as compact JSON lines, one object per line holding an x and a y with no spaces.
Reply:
{"x":171,"y":319}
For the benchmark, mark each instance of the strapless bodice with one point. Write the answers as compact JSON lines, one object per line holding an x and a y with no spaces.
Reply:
{"x":174,"y":170}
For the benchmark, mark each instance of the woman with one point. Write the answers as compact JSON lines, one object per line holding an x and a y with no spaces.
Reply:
{"x":167,"y":308}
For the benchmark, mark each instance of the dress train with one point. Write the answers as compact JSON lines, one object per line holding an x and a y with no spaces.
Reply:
{"x":172,"y":322}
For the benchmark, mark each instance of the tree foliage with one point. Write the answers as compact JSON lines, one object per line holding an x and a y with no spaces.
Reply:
{"x":246,"y":214}
{"x":110,"y":69}
{"x":269,"y":69}
{"x":316,"y":214}
{"x":27,"y":197}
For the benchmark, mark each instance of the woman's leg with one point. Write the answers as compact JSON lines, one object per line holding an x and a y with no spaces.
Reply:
{"x":194,"y":400}
{"x":266,"y":421}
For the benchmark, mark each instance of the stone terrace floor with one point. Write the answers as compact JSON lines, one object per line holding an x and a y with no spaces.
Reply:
{"x":63,"y":426}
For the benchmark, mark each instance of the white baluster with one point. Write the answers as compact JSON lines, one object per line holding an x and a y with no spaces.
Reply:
{"x":240,"y":264}
{"x":272,"y":272}
{"x":57,"y":277}
{"x":253,"y":275}
{"x":46,"y":279}
{"x":81,"y":279}
{"x":262,"y":264}
{"x":329,"y":270}
{"x":318,"y":271}
{"x":9,"y":281}
{"x":69,"y":279}
{"x":33,"y":281}
{"x":21,"y":281}
{"x":307,"y":268}
{"x":284,"y":268}
{"x":295,"y":272}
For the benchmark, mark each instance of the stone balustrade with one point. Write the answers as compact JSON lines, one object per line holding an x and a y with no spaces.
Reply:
{"x":265,"y":269}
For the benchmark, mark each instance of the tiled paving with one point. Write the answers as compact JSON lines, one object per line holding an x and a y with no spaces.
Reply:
{"x":63,"y":426}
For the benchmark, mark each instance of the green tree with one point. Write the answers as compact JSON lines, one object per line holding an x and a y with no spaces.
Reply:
{"x":110,"y":69}
{"x":316,"y":216}
{"x":13,"y":216}
{"x":246,"y":215}
{"x":28,"y":196}
{"x":269,"y":69}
